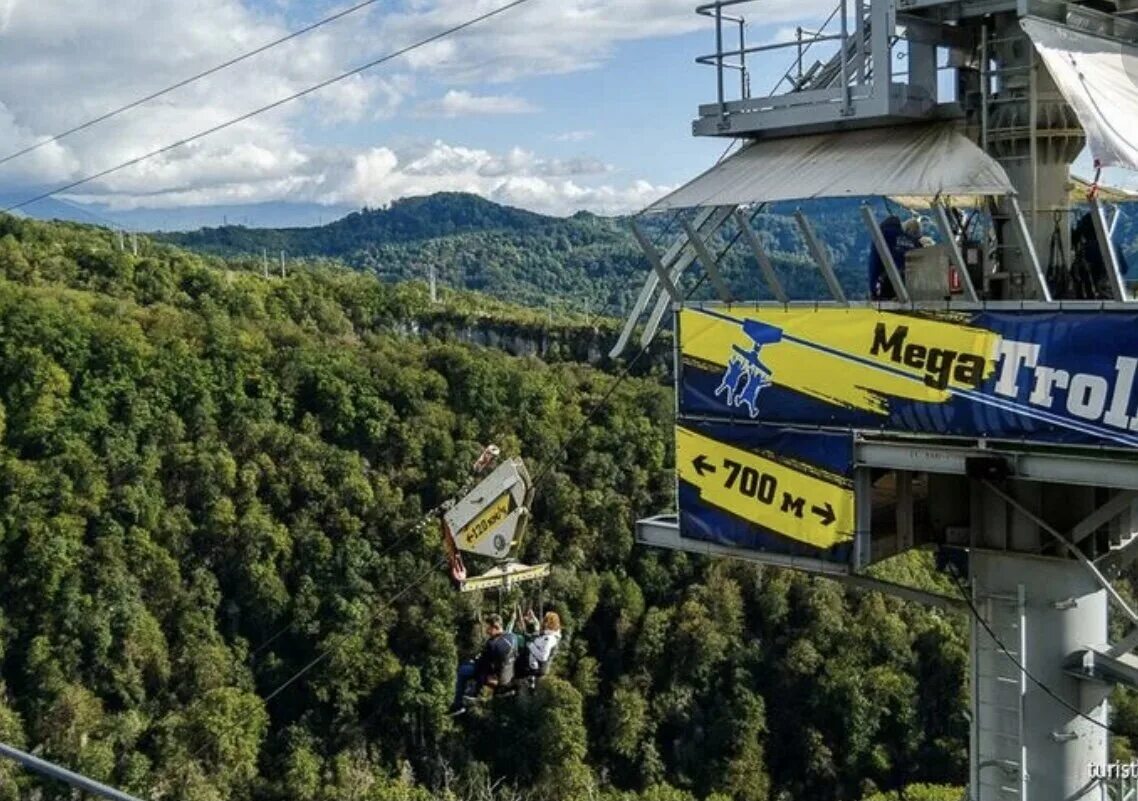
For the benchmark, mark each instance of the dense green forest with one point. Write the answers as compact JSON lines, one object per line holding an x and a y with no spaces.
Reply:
{"x":584,"y":263}
{"x":210,"y":480}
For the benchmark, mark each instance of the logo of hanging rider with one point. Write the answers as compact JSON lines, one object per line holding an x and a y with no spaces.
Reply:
{"x":746,"y":375}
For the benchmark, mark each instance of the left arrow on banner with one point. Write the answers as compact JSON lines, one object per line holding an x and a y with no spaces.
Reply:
{"x":702,"y":466}
{"x":778,"y":496}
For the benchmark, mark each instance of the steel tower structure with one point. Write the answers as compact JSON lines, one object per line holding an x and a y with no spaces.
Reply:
{"x":942,"y":99}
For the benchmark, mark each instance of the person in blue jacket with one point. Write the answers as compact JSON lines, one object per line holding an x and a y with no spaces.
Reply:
{"x":899,"y":243}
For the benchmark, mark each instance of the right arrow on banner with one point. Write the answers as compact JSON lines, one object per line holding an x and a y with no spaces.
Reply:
{"x":766,"y":487}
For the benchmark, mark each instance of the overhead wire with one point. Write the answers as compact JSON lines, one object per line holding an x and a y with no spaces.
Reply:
{"x":624,"y":374}
{"x":275,"y":104}
{"x":187,"y":81}
{"x":1019,"y":665}
{"x":326,"y":652}
{"x":537,"y":480}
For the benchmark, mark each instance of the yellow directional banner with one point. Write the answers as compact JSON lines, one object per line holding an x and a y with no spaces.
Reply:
{"x":486,"y":523}
{"x":778,"y":493}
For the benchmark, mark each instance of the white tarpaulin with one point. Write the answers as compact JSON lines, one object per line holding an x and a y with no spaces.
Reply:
{"x":923,"y":160}
{"x":1099,"y":78}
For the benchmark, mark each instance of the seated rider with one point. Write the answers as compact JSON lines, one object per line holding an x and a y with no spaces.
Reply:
{"x":494,"y":666}
{"x":541,"y":640}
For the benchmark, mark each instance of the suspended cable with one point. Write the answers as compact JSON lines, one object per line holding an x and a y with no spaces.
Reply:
{"x":187,"y":81}
{"x":324,"y":654}
{"x":275,"y":104}
{"x":328,"y":651}
{"x":967,"y":596}
{"x":548,"y":467}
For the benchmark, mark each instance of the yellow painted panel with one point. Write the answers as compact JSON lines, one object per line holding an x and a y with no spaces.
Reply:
{"x":776,"y":496}
{"x":486,"y":523}
{"x":828,"y":353}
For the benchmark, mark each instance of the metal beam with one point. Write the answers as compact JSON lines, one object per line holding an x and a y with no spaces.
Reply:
{"x":1114,"y":562}
{"x":1106,"y":250}
{"x":820,"y":257}
{"x":664,"y":532}
{"x":654,"y":260}
{"x":1067,"y":546}
{"x":1029,"y":248}
{"x":714,"y":221}
{"x":947,"y":602}
{"x":885,"y":254}
{"x":1095,"y":664}
{"x":708,"y":261}
{"x":761,"y":257}
{"x":951,"y":460}
{"x":1126,"y":644}
{"x":940,"y":214}
{"x":53,"y":771}
{"x":1101,"y":516}
{"x":649,"y":288}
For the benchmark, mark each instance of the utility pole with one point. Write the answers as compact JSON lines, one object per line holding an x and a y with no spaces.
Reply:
{"x":434,"y":286}
{"x":282,"y":264}
{"x":133,"y":243}
{"x":265,"y":262}
{"x":119,"y":237}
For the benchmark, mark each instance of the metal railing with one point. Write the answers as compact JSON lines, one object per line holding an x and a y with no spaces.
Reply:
{"x":851,"y":49}
{"x":715,"y":11}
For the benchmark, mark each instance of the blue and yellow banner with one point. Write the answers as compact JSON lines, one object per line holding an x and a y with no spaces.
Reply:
{"x":767,"y":489}
{"x":1051,"y":377}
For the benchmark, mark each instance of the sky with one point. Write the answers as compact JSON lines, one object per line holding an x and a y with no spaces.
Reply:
{"x":556,"y":106}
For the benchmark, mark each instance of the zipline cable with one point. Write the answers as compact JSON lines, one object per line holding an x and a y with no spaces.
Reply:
{"x":967,"y":596}
{"x":186,"y":81}
{"x":275,"y":104}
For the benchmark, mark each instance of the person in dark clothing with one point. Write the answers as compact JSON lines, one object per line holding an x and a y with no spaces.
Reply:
{"x":1088,"y":268}
{"x":494,"y":666}
{"x":899,"y":243}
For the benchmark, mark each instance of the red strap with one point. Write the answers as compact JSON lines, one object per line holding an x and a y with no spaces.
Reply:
{"x":1093,"y":191}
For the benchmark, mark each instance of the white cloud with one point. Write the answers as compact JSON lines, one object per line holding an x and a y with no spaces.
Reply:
{"x":574,"y":136}
{"x":557,"y":37}
{"x":71,"y":60}
{"x":379,"y":175}
{"x":458,"y":103}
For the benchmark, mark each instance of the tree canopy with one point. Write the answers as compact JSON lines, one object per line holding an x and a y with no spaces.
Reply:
{"x":211,"y":479}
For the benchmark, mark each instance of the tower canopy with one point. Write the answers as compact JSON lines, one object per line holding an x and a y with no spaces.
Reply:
{"x":1098,"y":77}
{"x":924,"y":160}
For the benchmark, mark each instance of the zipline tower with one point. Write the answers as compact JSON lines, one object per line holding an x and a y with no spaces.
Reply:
{"x":980,"y":413}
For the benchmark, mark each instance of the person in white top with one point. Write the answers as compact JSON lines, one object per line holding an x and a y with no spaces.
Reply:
{"x":542,"y":640}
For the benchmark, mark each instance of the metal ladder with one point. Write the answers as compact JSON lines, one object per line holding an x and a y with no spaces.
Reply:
{"x":824,"y":76}
{"x":999,"y":686}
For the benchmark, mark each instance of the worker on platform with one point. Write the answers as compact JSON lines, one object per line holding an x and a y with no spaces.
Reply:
{"x":494,"y":666}
{"x":900,"y":239}
{"x":1088,"y":268}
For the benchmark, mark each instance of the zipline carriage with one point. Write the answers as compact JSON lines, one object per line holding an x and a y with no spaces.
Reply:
{"x":489,"y":521}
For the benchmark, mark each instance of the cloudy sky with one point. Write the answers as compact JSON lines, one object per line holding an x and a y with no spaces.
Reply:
{"x":555,"y":106}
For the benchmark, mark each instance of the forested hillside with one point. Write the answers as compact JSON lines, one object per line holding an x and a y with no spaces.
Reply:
{"x":210,"y":480}
{"x":584,"y":263}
